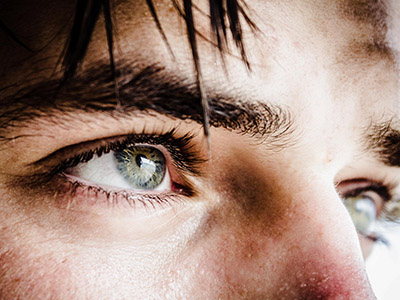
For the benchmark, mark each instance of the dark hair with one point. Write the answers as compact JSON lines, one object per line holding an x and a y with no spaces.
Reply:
{"x":225,"y":19}
{"x":225,"y":16}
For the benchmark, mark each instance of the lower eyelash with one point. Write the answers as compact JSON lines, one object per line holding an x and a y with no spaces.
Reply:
{"x":95,"y":195}
{"x":376,"y":237}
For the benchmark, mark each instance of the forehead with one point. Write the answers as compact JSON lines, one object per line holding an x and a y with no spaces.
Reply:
{"x":39,"y":22}
{"x":348,"y":37}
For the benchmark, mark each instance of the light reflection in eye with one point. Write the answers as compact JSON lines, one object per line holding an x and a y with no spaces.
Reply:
{"x":362,"y":211}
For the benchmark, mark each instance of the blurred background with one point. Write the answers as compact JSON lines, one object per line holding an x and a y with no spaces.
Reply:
{"x":383,"y":265}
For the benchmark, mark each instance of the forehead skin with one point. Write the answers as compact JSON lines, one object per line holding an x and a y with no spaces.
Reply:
{"x":326,"y":62}
{"x":331,"y":44}
{"x":357,"y":28}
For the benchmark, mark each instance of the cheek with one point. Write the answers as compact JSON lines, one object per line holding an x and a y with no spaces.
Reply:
{"x":75,"y":272}
{"x":25,"y":274}
{"x":43,"y":260}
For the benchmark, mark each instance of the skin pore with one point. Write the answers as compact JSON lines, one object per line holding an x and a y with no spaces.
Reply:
{"x":258,"y":215}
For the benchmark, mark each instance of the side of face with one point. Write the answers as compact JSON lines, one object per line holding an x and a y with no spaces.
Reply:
{"x":264,"y":218}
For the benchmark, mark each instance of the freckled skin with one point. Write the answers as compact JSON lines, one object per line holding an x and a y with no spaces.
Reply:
{"x":264,"y":223}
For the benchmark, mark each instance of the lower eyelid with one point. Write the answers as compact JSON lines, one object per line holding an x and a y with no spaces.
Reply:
{"x":79,"y":195}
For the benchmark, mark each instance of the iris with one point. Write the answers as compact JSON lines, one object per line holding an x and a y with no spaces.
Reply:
{"x":142,"y":166}
{"x":362,"y":211}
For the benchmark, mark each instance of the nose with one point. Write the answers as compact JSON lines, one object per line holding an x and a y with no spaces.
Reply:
{"x":300,"y":245}
{"x":322,"y":252}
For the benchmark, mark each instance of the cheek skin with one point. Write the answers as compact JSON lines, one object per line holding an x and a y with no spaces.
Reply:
{"x":57,"y":270}
{"x":26,"y":274}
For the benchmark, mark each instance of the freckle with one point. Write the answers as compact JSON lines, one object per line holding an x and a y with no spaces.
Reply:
{"x":315,"y":73}
{"x":298,"y":46}
{"x":328,"y":157}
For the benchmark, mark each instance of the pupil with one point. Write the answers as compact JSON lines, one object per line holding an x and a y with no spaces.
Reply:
{"x":138,"y":159}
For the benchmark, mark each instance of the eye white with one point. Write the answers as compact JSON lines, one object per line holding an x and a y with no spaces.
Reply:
{"x":103,"y":172}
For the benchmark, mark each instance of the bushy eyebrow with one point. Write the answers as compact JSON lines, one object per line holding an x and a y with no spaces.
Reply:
{"x":146,"y":89}
{"x":384,"y":139}
{"x":371,"y":16}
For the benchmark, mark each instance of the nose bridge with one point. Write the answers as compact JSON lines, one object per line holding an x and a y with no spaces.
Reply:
{"x":310,"y":252}
{"x":320,"y":219}
{"x":321,"y":248}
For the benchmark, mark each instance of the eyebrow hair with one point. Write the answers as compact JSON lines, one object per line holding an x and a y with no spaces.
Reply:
{"x":385,"y":140}
{"x":226,"y":16}
{"x":372,"y":12}
{"x":372,"y":15}
{"x":141,"y":89}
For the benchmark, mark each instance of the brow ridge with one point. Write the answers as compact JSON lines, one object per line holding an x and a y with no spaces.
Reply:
{"x":144,"y":89}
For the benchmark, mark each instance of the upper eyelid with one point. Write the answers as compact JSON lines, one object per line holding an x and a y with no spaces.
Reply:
{"x":380,"y":189}
{"x":385,"y":189}
{"x":62,"y":159}
{"x":77,"y":148}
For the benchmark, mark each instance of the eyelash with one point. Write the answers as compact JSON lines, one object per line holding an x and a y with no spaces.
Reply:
{"x":383,"y":191}
{"x":118,"y":198}
{"x":183,"y":156}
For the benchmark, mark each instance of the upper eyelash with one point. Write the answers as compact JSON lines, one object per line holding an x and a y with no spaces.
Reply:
{"x":181,"y":150}
{"x":384,"y":189}
{"x":380,"y":189}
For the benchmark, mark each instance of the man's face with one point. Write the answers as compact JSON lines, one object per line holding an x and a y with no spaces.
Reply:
{"x":138,"y":207}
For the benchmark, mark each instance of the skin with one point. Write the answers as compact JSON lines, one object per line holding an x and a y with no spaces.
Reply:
{"x":266,"y":221}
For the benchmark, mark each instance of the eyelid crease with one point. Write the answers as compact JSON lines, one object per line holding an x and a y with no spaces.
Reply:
{"x":184,"y":156}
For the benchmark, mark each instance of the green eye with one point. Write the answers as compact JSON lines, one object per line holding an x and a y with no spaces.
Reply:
{"x":142,"y":166}
{"x":362,"y":211}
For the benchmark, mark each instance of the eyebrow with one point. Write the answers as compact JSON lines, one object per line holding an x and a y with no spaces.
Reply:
{"x":145,"y":89}
{"x":384,"y":139}
{"x":372,"y":16}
